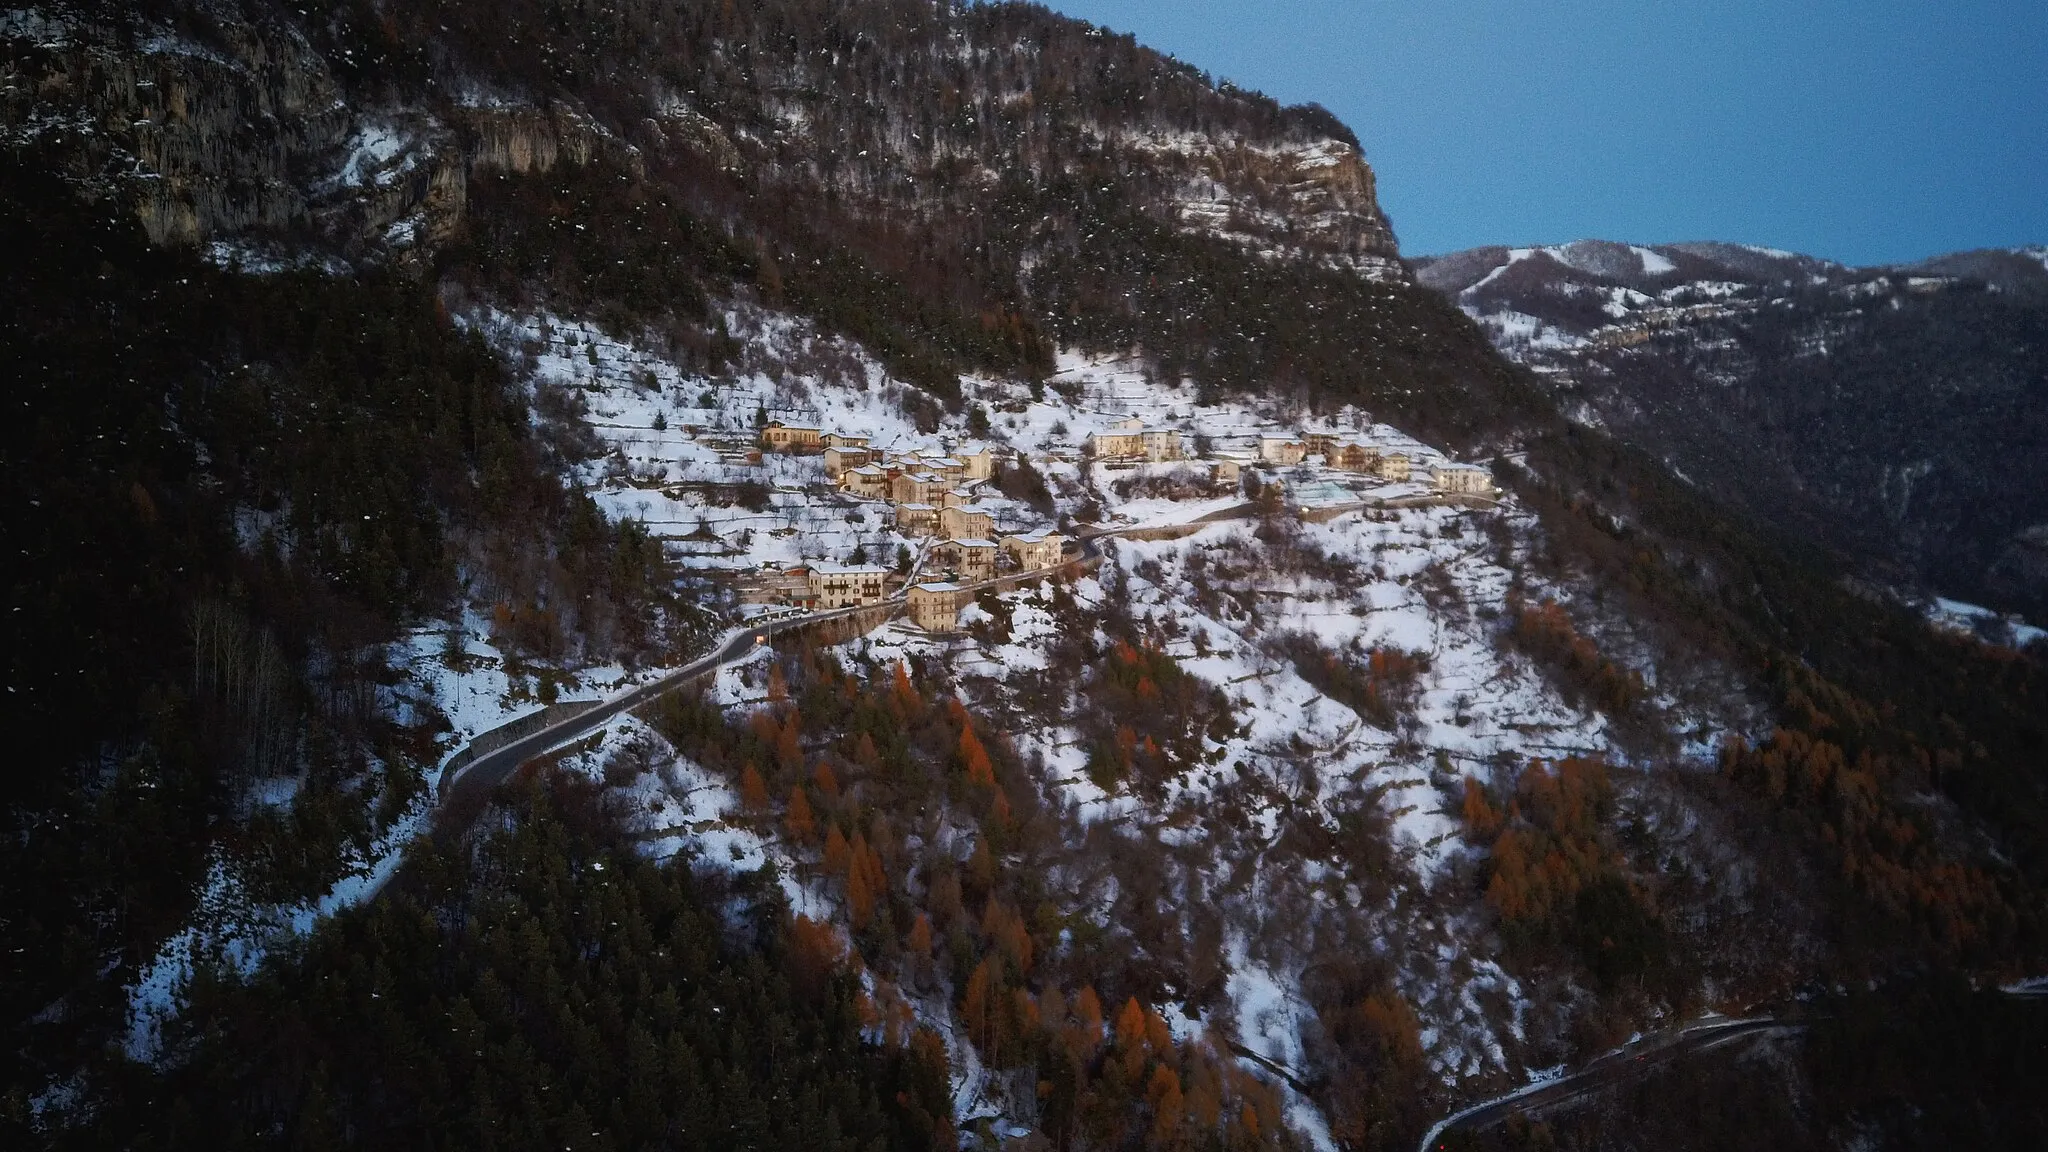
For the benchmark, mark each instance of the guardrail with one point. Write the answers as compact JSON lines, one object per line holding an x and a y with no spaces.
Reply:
{"x":491,"y":739}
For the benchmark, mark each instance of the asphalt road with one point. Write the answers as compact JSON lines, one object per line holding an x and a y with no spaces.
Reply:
{"x":1617,"y":1067}
{"x":488,"y":771}
{"x":476,"y":780}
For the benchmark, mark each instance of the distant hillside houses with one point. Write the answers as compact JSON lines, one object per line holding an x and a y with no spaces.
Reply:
{"x":1358,"y":452}
{"x":1131,"y":440}
{"x":1461,"y":479}
{"x":936,"y":491}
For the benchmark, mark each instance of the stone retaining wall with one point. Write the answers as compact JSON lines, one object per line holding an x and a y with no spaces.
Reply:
{"x":493,"y":739}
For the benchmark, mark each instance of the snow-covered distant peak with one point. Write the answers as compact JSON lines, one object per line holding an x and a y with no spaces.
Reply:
{"x":1475,"y":269}
{"x":1609,"y":260}
{"x":1773,"y":253}
{"x":1655,"y":263}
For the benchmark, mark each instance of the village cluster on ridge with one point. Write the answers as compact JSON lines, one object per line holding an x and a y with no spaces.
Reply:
{"x":935,"y":493}
{"x":803,"y":481}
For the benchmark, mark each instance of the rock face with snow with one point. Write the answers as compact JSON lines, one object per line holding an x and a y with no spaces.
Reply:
{"x":221,"y":128}
{"x":1898,"y":414}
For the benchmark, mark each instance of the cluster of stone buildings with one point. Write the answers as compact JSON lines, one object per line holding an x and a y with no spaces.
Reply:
{"x":1130,"y":441}
{"x":1347,"y":454}
{"x":935,"y":605}
{"x":934,"y":494}
{"x":1338,"y":451}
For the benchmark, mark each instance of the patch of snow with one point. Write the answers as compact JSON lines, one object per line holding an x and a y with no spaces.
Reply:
{"x":1979,"y":622}
{"x":377,"y":157}
{"x":1654,"y":263}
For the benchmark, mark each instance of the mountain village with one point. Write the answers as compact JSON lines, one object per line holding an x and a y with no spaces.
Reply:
{"x":922,"y":575}
{"x":955,"y":533}
{"x":804,"y":481}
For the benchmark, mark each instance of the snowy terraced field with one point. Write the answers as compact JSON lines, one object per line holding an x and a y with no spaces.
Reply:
{"x":1423,"y":581}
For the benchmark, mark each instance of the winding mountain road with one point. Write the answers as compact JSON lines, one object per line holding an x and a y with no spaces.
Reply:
{"x":471,"y":783}
{"x":1630,"y":1062}
{"x":479,"y":776}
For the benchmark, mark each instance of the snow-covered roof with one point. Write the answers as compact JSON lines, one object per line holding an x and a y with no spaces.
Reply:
{"x":938,"y":586}
{"x":975,"y":543}
{"x":823,"y":569}
{"x":1454,"y":466}
{"x":913,"y":506}
{"x":1038,"y":537}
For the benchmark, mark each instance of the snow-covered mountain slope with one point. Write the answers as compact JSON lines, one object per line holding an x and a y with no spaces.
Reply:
{"x":1305,"y":820}
{"x":397,"y":370}
{"x":1881,"y":411}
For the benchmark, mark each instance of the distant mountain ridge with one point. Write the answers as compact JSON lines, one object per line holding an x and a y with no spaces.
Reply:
{"x":1897,"y":413}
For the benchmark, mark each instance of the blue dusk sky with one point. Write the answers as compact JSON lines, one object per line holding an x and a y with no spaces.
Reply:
{"x":1865,"y":131}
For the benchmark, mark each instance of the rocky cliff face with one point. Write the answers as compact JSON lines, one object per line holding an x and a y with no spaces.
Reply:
{"x":1899,"y":414}
{"x":250,"y":141}
{"x":248,"y":131}
{"x":201,"y":139}
{"x":1311,"y":200}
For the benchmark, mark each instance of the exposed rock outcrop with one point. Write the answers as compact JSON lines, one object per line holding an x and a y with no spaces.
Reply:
{"x":252,"y":140}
